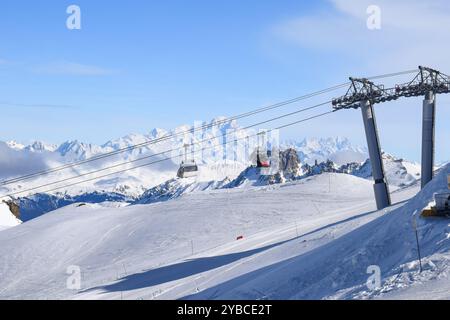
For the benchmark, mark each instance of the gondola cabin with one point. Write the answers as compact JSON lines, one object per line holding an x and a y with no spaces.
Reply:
{"x":262,"y":159}
{"x":187,"y":170}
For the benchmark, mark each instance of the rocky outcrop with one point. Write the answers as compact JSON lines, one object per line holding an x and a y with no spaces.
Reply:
{"x":13,"y":207}
{"x":290,"y":164}
{"x":318,"y":168}
{"x":9,"y":214}
{"x":286,"y":168}
{"x":399,"y":172}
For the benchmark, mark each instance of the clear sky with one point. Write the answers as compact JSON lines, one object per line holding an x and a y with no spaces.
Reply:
{"x":140,"y":64}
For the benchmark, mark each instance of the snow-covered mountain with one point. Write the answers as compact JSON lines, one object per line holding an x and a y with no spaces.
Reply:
{"x":220,"y":167}
{"x":400,"y":173}
{"x":17,"y":159}
{"x":339,"y":150}
{"x":175,"y":188}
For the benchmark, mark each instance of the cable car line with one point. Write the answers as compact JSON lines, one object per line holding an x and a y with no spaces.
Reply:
{"x":169,"y":136}
{"x":167,"y":151}
{"x":388,"y":75}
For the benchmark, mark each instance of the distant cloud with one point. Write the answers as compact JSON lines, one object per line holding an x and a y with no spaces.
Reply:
{"x":37,"y":106}
{"x":13,"y":162}
{"x":412,"y":32}
{"x":72,"y":68}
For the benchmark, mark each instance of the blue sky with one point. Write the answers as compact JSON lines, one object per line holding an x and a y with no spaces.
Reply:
{"x":136,"y":65}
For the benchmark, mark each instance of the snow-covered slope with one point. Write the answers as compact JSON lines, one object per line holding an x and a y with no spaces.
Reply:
{"x":298,"y":237}
{"x":339,"y":270}
{"x":41,"y":203}
{"x":108,"y":242}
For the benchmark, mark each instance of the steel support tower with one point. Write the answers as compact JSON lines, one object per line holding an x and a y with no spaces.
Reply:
{"x":380,"y":187}
{"x":428,"y":83}
{"x":361,"y":94}
{"x":365,"y":94}
{"x":428,"y":125}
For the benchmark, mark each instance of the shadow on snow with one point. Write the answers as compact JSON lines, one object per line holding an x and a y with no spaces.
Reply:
{"x":189,"y":268}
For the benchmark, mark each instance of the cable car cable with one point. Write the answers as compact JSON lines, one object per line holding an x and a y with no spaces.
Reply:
{"x":140,"y":145}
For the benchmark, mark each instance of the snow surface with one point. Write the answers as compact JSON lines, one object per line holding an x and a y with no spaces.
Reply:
{"x":7,"y":218}
{"x":338,"y":270}
{"x":306,"y":239}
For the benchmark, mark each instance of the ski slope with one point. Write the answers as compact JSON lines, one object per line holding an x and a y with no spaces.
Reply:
{"x":299,"y":240}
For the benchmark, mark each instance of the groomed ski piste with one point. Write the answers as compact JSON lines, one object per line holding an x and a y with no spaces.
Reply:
{"x":310,"y":239}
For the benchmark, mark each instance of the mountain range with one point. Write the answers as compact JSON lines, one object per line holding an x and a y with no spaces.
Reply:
{"x":17,"y":159}
{"x":218,"y":167}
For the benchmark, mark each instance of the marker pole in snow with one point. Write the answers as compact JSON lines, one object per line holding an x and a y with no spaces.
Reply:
{"x":329,"y":182}
{"x":247,"y":148}
{"x":417,"y":240}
